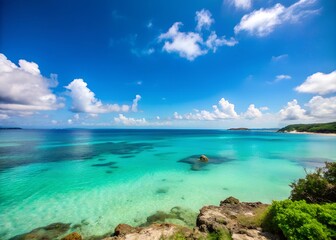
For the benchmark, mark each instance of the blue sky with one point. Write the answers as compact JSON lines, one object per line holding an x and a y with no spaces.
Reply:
{"x":171,"y":64}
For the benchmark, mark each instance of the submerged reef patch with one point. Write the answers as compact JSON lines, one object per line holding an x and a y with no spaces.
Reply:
{"x":197,"y":165}
{"x":29,"y":152}
{"x":162,"y":190}
{"x":176,"y":215}
{"x":52,"y":231}
{"x":103,"y":164}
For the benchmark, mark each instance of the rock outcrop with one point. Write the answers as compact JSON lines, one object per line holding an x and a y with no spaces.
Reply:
{"x":153,"y":232}
{"x":240,"y":219}
{"x":73,"y":236}
{"x":204,"y":158}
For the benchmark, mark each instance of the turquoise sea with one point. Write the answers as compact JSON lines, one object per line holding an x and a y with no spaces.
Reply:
{"x":99,"y":178}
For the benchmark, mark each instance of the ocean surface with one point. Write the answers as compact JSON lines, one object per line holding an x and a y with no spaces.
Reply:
{"x":95,"y":179}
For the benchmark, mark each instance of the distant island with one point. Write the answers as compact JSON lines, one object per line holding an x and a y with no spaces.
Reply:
{"x":238,"y":129}
{"x":311,"y":128}
{"x":10,"y":128}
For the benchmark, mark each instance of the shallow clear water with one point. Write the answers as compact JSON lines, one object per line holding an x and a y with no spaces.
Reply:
{"x":99,"y":178}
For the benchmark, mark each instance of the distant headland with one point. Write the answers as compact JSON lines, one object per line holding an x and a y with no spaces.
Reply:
{"x":310,"y":128}
{"x":10,"y":128}
{"x":238,"y":129}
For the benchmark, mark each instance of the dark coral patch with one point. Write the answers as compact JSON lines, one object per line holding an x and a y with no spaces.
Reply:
{"x":197,"y":165}
{"x":103,"y":164}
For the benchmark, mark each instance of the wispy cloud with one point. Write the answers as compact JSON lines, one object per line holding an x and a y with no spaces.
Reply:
{"x":279,"y":58}
{"x":280,"y":78}
{"x":263,"y":21}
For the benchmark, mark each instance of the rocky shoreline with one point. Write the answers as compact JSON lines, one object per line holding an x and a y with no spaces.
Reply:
{"x":230,"y":220}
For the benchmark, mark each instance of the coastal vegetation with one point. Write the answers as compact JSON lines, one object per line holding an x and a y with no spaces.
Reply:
{"x":312,"y":128}
{"x":310,"y":213}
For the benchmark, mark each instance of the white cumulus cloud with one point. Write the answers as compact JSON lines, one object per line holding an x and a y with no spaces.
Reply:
{"x":263,"y":21}
{"x":187,"y":45}
{"x":241,"y":4}
{"x":320,"y":107}
{"x":84,"y":100}
{"x":252,"y":112}
{"x":135,"y":103}
{"x":223,"y":110}
{"x":130,"y":121}
{"x":191,"y":45}
{"x":292,"y":111}
{"x":320,"y":83}
{"x":23,"y":88}
{"x":203,"y":19}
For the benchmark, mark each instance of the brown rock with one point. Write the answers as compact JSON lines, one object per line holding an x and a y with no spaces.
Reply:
{"x":228,"y":216}
{"x":123,"y":229}
{"x":229,"y":200}
{"x":73,"y":236}
{"x":204,"y":158}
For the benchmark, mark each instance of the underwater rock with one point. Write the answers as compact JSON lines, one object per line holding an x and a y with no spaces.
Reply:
{"x":103,"y":164}
{"x":50,"y":232}
{"x":127,"y":156}
{"x":204,"y":158}
{"x":123,"y":229}
{"x":177,"y":215}
{"x":161,"y":190}
{"x":197,"y":165}
{"x":72,"y":236}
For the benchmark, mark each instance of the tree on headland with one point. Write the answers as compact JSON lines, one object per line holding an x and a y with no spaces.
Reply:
{"x":316,"y":187}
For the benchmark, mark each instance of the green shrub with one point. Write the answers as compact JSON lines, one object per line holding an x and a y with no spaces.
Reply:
{"x":316,"y":187}
{"x":299,"y":220}
{"x":222,"y":234}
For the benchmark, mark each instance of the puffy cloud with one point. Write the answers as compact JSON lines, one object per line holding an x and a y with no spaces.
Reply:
{"x":177,"y":116}
{"x":135,"y":103}
{"x":263,"y":21}
{"x":224,"y":110}
{"x":23,"y":88}
{"x":292,"y":111}
{"x":320,"y":83}
{"x":130,"y":121}
{"x":187,"y":45}
{"x":320,"y":107}
{"x":191,"y":45}
{"x":84,"y":100}
{"x":252,"y":112}
{"x":241,"y":4}
{"x":203,"y":19}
